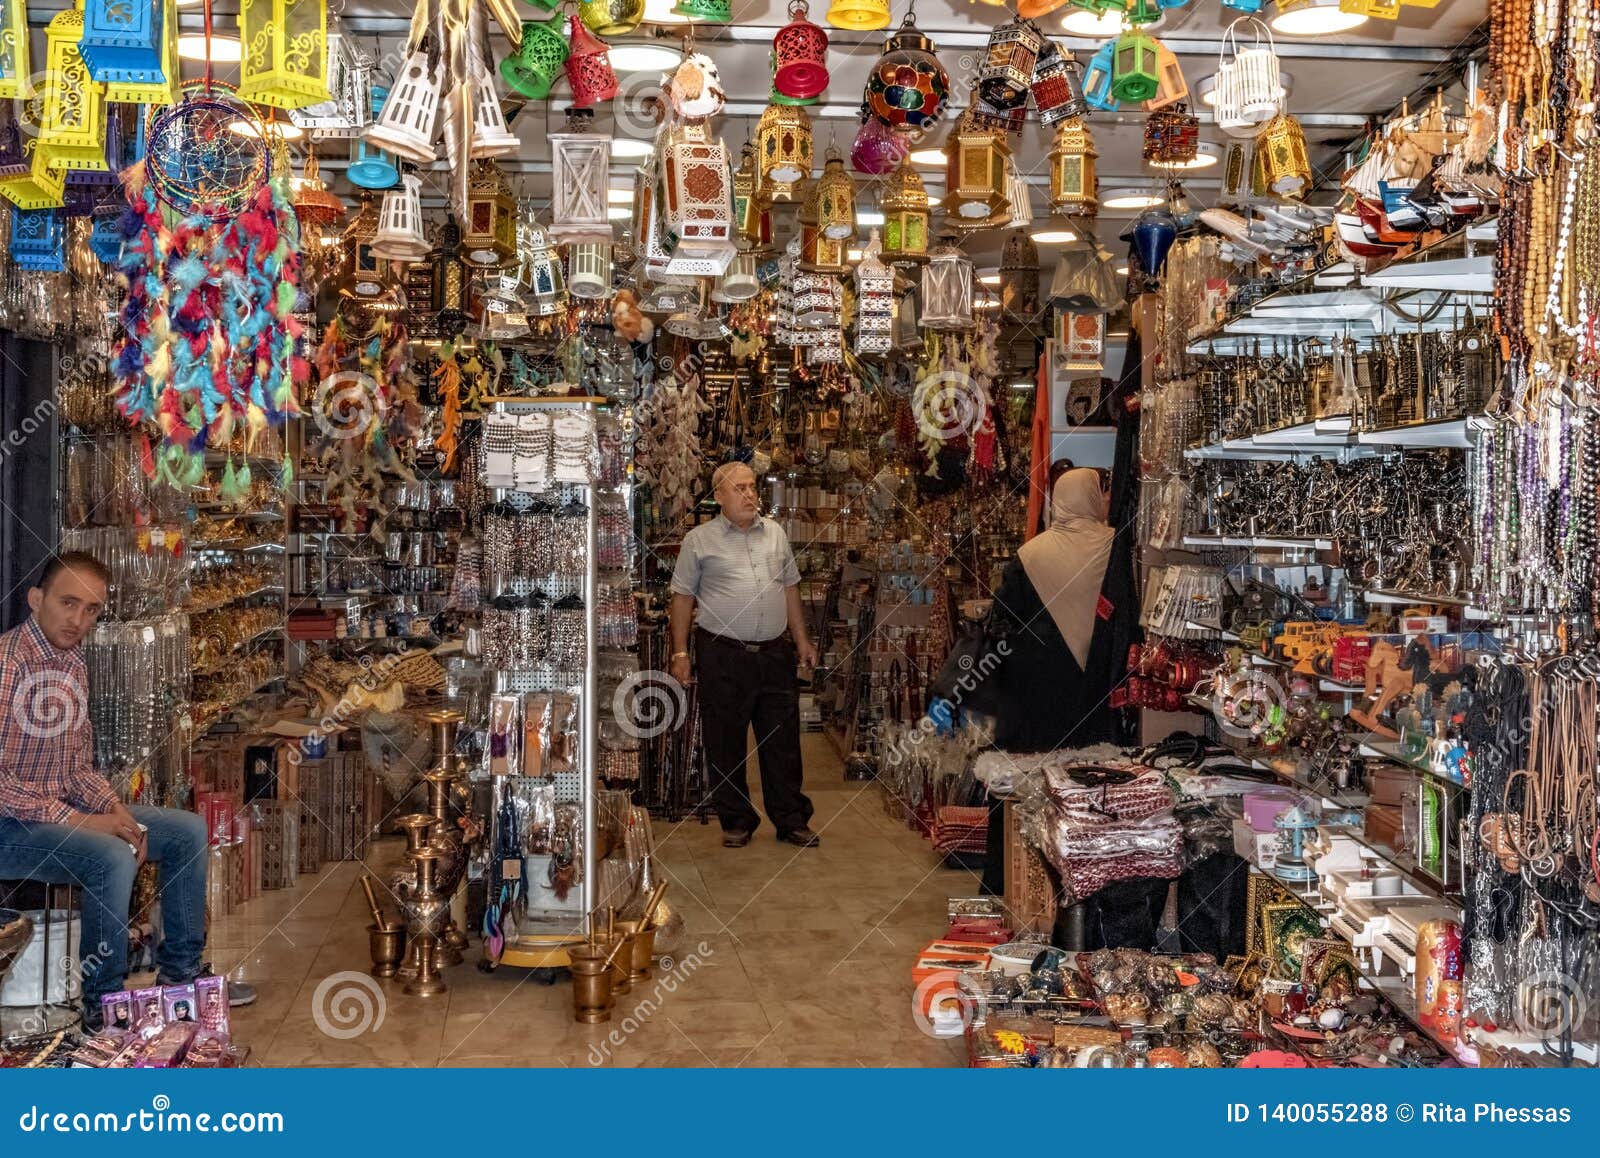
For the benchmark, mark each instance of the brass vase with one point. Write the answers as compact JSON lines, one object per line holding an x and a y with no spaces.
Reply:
{"x":425,"y":910}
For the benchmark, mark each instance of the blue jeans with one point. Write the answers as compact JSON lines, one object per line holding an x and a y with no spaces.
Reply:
{"x":103,"y":867}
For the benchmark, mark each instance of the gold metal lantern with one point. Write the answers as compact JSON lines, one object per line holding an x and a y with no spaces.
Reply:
{"x":1073,"y":185}
{"x":905,"y":217}
{"x":491,"y":228}
{"x":976,"y":173}
{"x":751,"y":219}
{"x":836,"y":200}
{"x":1283,"y":158}
{"x":367,"y":276}
{"x":783,"y":150}
{"x":819,"y":253}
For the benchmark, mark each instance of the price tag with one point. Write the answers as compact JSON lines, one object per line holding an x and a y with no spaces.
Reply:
{"x":511,"y":869}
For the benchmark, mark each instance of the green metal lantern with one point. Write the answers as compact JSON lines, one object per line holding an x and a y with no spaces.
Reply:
{"x":611,"y":17}
{"x":1135,"y":67}
{"x":534,"y":67}
{"x":710,"y":11}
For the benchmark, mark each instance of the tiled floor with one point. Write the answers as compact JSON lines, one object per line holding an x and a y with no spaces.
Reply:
{"x":804,"y":958}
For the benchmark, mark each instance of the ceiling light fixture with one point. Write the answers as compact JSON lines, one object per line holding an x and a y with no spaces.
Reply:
{"x":868,"y":217}
{"x":928,"y":158}
{"x":643,"y":57}
{"x":618,"y":212}
{"x":619,"y":196}
{"x":1314,"y":18}
{"x":1130,"y":199}
{"x":660,"y":12}
{"x":1049,"y":234}
{"x":1206,"y":155}
{"x":224,"y":49}
{"x":989,"y":279}
{"x":286,"y":130}
{"x":623,"y":147}
{"x":1095,"y":25}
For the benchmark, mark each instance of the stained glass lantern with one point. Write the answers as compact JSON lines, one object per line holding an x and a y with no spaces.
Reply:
{"x":697,"y":202}
{"x":905,"y":217}
{"x":800,"y":55}
{"x":1006,"y":74}
{"x":1057,"y":85}
{"x":285,"y":55}
{"x":1171,"y":87}
{"x":877,"y":149}
{"x":612,"y":17}
{"x":907,"y":86}
{"x":874,"y":300}
{"x":491,"y":228}
{"x":541,"y":271}
{"x":1019,"y":277}
{"x":15,"y":71}
{"x":836,"y":201}
{"x":157,"y":86}
{"x":370,"y":167}
{"x":1282,"y":146}
{"x":410,"y":114}
{"x":752,"y":221}
{"x":859,"y":15}
{"x":533,"y":68}
{"x":1171,"y":136}
{"x":588,"y":66}
{"x":947,"y":289}
{"x":122,"y":39}
{"x":1097,"y":79}
{"x":72,"y":122}
{"x":819,"y":253}
{"x":580,"y":176}
{"x":783,"y":145}
{"x":1074,"y":188}
{"x":976,"y":173}
{"x":705,"y":11}
{"x":367,"y":275}
{"x":349,"y":105}
{"x":1135,"y":75}
{"x":589,"y":270}
{"x":400,"y":236}
{"x":39,"y":239}
{"x":448,"y":282}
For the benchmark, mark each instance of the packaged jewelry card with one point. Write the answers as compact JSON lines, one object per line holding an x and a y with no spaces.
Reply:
{"x":505,"y":713}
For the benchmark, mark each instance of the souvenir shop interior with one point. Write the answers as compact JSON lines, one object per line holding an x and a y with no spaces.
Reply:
{"x":382,"y":356}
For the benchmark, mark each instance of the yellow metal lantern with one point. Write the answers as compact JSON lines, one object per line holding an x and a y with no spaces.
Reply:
{"x":14,"y":68}
{"x":836,"y":201}
{"x":1073,"y":185}
{"x":751,"y":220}
{"x":819,"y":253}
{"x":1281,"y":153}
{"x":905,"y":217}
{"x":285,"y":52}
{"x":36,"y":187}
{"x":859,"y":15}
{"x":72,"y":120}
{"x":976,"y":180}
{"x":491,"y":232}
{"x":154,"y":92}
{"x":783,"y":150}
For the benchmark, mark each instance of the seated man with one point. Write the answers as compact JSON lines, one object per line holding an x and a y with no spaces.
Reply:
{"x":60,"y":822}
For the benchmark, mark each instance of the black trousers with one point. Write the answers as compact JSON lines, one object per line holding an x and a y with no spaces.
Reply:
{"x":740,"y":688}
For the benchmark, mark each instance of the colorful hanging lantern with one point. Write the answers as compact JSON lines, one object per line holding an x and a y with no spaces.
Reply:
{"x":817,"y":253}
{"x":316,"y":206}
{"x":370,"y":167}
{"x":800,"y":55}
{"x":367,"y":276}
{"x":905,"y":217}
{"x":976,"y":173}
{"x":400,"y":236}
{"x":751,"y":219}
{"x":697,"y":204}
{"x":285,"y":56}
{"x":122,"y":39}
{"x":155,"y":87}
{"x":1019,"y":277}
{"x":532,"y":69}
{"x":348,"y":108}
{"x":580,"y":176}
{"x":1006,"y":73}
{"x":1074,"y":187}
{"x":1097,"y":78}
{"x":836,"y":201}
{"x":588,"y":66}
{"x":589,"y":270}
{"x":1134,"y":73}
{"x":874,"y":300}
{"x":705,"y":11}
{"x":778,"y":98}
{"x":448,"y":282}
{"x":876,"y":150}
{"x":105,"y":238}
{"x":15,"y":72}
{"x":410,"y":115}
{"x":611,"y":17}
{"x":1171,"y":136}
{"x":1057,"y":85}
{"x":491,"y":229}
{"x":859,"y":15}
{"x":783,"y":144}
{"x":72,"y":123}
{"x":907,"y":86}
{"x":1153,"y":234}
{"x":1171,"y":87}
{"x":39,"y":239}
{"x":25,"y":180}
{"x":1281,"y":148}
{"x":947,"y":289}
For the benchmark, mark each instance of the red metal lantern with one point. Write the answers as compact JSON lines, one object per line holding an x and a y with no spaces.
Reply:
{"x":588,"y":66}
{"x":800,"y":55}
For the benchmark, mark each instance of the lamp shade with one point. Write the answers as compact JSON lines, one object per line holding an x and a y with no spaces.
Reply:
{"x":877,"y":149}
{"x":410,"y":113}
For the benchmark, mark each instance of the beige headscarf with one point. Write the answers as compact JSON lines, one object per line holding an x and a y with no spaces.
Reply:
{"x":1067,"y":561}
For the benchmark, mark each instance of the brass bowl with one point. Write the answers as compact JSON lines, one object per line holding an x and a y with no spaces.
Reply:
{"x":388,"y":949}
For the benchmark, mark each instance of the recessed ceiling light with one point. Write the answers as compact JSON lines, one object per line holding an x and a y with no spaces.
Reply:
{"x":928,"y":158}
{"x":868,"y":217}
{"x":287,"y":130}
{"x":643,"y":57}
{"x":618,"y":212}
{"x":1094,"y":25}
{"x":1206,"y":155}
{"x":619,"y":196}
{"x":1131,"y":199}
{"x":660,"y":12}
{"x":1052,"y":235}
{"x":1314,"y":18}
{"x":624,"y":147}
{"x":1023,"y":384}
{"x":224,"y":49}
{"x":933,"y":200}
{"x":989,"y":279}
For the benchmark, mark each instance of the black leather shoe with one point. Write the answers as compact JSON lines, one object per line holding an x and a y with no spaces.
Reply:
{"x":736,"y":838}
{"x":801,"y":837}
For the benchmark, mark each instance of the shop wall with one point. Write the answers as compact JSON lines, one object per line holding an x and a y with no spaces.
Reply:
{"x":28,"y":442}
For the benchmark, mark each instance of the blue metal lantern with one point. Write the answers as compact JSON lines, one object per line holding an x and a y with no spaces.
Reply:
{"x":1250,"y":6}
{"x":39,"y":239}
{"x":122,"y":40}
{"x":1169,"y":5}
{"x":370,"y":167}
{"x":105,"y":239}
{"x":1097,"y":79}
{"x":1153,"y":235}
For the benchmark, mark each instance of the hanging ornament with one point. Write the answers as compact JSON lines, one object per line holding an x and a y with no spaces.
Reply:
{"x":783,"y":145}
{"x":588,"y":66}
{"x":589,"y":270}
{"x":905,"y":217}
{"x":27,"y":182}
{"x":1019,"y":277}
{"x":540,"y":271}
{"x":1019,"y":205}
{"x":874,"y":300}
{"x":1281,"y":146}
{"x":1074,"y":187}
{"x":819,"y":253}
{"x":367,"y":275}
{"x":1153,"y":234}
{"x":196,"y":159}
{"x":1057,"y":85}
{"x":447,"y":277}
{"x":836,"y":200}
{"x":695,"y":90}
{"x":752,"y":220}
{"x":1171,"y":136}
{"x":975,"y":180}
{"x":400,"y":236}
{"x":370,"y":167}
{"x":877,"y":149}
{"x":740,"y":283}
{"x":859,"y":15}
{"x":907,"y":86}
{"x":39,"y":239}
{"x":580,"y":177}
{"x":800,"y":55}
{"x":410,"y":114}
{"x":1171,"y":87}
{"x":612,"y":17}
{"x":1006,"y":74}
{"x":947,"y":289}
{"x":533,"y":68}
{"x":285,"y":56}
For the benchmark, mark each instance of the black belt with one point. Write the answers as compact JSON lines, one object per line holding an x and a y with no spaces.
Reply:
{"x":744,"y":644}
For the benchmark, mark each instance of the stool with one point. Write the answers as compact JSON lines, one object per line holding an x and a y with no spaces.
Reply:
{"x":19,"y":1026}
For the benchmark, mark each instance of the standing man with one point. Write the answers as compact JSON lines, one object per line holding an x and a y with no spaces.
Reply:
{"x":60,"y":822}
{"x":739,"y":571}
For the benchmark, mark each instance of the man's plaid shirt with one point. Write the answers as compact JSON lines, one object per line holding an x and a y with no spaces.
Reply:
{"x":46,"y":743}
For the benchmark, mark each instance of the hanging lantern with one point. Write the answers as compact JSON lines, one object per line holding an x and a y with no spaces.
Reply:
{"x":1074,"y":188}
{"x":367,"y":276}
{"x":589,"y":270}
{"x":905,"y":217}
{"x":588,"y":66}
{"x":751,"y":219}
{"x":705,"y":11}
{"x":947,"y":289}
{"x":1019,"y":277}
{"x":694,"y":90}
{"x":1248,"y":85}
{"x":874,"y":301}
{"x":1006,"y":73}
{"x":976,"y":173}
{"x":25,"y":181}
{"x":497,"y":312}
{"x":490,"y":135}
{"x":72,"y":122}
{"x":122,"y":39}
{"x":1281,"y":145}
{"x":1171,"y":136}
{"x":836,"y":201}
{"x":349,"y":105}
{"x":580,"y":168}
{"x":612,"y":17}
{"x":783,"y":143}
{"x":490,"y":238}
{"x":1236,"y":168}
{"x":540,"y":272}
{"x":1134,"y":72}
{"x":159,"y":86}
{"x":1019,"y":204}
{"x":370,"y":167}
{"x":907,"y":86}
{"x":400,"y":236}
{"x":285,"y":56}
{"x":1035,"y":9}
{"x":818,"y":252}
{"x":859,"y":15}
{"x":907,"y":331}
{"x":741,"y":282}
{"x":800,"y":55}
{"x":448,"y":282}
{"x":697,"y":205}
{"x":15,"y":71}
{"x":1171,"y":87}
{"x":105,"y":238}
{"x":647,"y":231}
{"x":410,"y":114}
{"x":533,"y":68}
{"x":1097,"y":79}
{"x":876,"y":149}
{"x":1057,"y":85}
{"x":1153,"y":234}
{"x":315,"y":205}
{"x":39,"y":239}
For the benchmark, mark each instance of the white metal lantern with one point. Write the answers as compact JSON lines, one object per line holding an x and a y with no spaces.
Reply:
{"x":499,"y":309}
{"x":1017,"y":196}
{"x":406,"y":125}
{"x":400,"y":236}
{"x":1249,"y":87}
{"x":874,"y":301}
{"x":784,"y":330}
{"x":541,"y":270}
{"x":818,"y":299}
{"x":828,"y":349}
{"x":697,"y":202}
{"x":350,"y":86}
{"x":947,"y":289}
{"x":490,"y":136}
{"x":589,"y":269}
{"x":740,"y":283}
{"x":580,"y":170}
